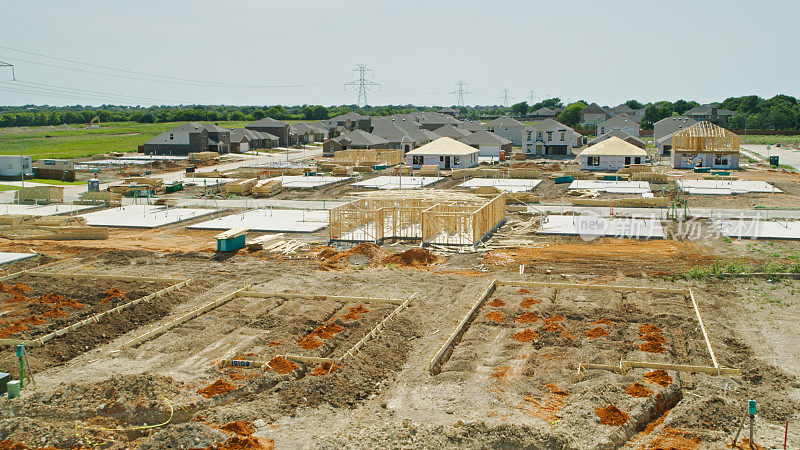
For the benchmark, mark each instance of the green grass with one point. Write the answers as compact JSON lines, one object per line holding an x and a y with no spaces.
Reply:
{"x":6,"y":187}
{"x":80,"y":142}
{"x":770,"y":139}
{"x":55,"y":182}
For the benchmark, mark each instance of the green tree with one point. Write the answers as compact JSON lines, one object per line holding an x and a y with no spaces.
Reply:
{"x":519,"y":109}
{"x":654,"y":113}
{"x":571,"y":115}
{"x":634,"y":104}
{"x":315,"y":113}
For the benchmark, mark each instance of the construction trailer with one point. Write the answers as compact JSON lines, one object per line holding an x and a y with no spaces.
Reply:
{"x":431,"y":217}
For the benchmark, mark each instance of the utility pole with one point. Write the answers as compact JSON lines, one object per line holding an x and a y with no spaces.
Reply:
{"x":460,"y":91}
{"x":505,"y":96}
{"x":362,"y":84}
{"x":5,"y":64}
{"x":531,"y":97}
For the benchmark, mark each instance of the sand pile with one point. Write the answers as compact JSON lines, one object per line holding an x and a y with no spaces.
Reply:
{"x":651,"y":334}
{"x":638,"y":390}
{"x":216,"y":388}
{"x":526,"y":336}
{"x":413,"y":257}
{"x":596,"y":332}
{"x":659,"y":377}
{"x":611,"y":415}
{"x":281,"y":365}
{"x":332,"y":259}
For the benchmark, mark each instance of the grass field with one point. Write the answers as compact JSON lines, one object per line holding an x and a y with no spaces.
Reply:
{"x":770,"y":140}
{"x":111,"y":137}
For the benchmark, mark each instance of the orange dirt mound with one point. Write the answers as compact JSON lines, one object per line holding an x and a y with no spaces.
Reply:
{"x":553,"y":319}
{"x":659,"y":377}
{"x":112,"y":294}
{"x":523,"y":291}
{"x":554,"y":327}
{"x":274,"y":343}
{"x":652,"y":347}
{"x":673,"y":439}
{"x":17,"y":298}
{"x":638,"y":390}
{"x":326,"y":331}
{"x":528,"y":302}
{"x":325,"y":368}
{"x":556,"y":390}
{"x":19,"y":288}
{"x":603,"y":321}
{"x":12,"y":330}
{"x":649,"y":328}
{"x":497,"y":303}
{"x":50,"y":298}
{"x":216,"y":388}
{"x":611,"y":415}
{"x":8,"y":444}
{"x":282,"y":365}
{"x":355,"y":312}
{"x":243,"y":443}
{"x":495,"y":316}
{"x":596,"y":332}
{"x":327,"y":252}
{"x":654,"y":338}
{"x":332,"y":258}
{"x":413,"y":257}
{"x":526,"y":336}
{"x":501,"y":372}
{"x":33,"y":320}
{"x":239,"y":427}
{"x":309,"y":342}
{"x":527,"y":317}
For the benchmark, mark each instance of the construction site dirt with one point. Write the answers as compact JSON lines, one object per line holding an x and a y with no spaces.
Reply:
{"x":510,"y":382}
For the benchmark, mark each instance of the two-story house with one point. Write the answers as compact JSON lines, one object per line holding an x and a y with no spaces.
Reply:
{"x":508,"y":128}
{"x":550,"y":137}
{"x":621,"y":122}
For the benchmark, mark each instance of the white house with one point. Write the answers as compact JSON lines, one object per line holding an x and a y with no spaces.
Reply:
{"x":611,"y":155}
{"x":620,"y":122}
{"x":508,"y":128}
{"x":445,"y":152}
{"x":549,"y":137}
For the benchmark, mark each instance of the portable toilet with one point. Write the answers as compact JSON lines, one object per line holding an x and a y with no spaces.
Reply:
{"x":231,"y":240}
{"x":93,"y":185}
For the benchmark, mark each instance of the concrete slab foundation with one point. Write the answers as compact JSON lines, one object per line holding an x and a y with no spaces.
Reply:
{"x":591,"y":226}
{"x":9,"y":257}
{"x":303,"y":182}
{"x":612,"y":187}
{"x":387,"y":182}
{"x":277,"y":220}
{"x":503,"y":184}
{"x":143,"y":216}
{"x":43,"y":210}
{"x":725,"y":187}
{"x":758,"y":229}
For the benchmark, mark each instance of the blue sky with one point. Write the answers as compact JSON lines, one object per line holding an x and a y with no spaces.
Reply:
{"x":302,"y":52}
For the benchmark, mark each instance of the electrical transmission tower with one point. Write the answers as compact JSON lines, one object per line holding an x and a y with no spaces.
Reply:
{"x":362,"y":84}
{"x":531,"y":94}
{"x":5,"y":64}
{"x":505,"y":97}
{"x":461,"y":91}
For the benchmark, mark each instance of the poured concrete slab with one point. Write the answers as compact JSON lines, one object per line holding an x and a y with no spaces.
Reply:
{"x":612,"y":187}
{"x":43,"y":210}
{"x":503,"y":184}
{"x":143,"y":216}
{"x":758,"y":229}
{"x":278,"y":220}
{"x":725,"y":187}
{"x":387,"y":182}
{"x":303,"y":182}
{"x":591,"y":226}
{"x":9,"y":257}
{"x":253,"y":203}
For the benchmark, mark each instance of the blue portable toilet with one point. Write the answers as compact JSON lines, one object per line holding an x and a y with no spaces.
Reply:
{"x":231,"y":240}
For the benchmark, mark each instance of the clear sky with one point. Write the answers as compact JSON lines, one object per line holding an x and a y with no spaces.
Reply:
{"x":302,"y":52}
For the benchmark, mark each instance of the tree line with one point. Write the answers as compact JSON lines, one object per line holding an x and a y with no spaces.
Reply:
{"x":781,"y":112}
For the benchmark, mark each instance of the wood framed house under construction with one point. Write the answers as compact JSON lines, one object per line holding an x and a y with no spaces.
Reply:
{"x":431,"y":217}
{"x":705,"y":145}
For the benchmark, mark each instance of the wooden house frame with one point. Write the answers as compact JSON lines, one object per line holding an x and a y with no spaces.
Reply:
{"x":705,"y":137}
{"x":432,"y":217}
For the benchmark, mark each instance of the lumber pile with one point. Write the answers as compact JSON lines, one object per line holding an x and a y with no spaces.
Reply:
{"x":211,"y":174}
{"x":402,"y":170}
{"x":267,"y":188}
{"x":521,"y":197}
{"x":105,"y":197}
{"x":650,"y":176}
{"x":39,"y":194}
{"x":15,"y":219}
{"x":636,"y":168}
{"x":240,"y":187}
{"x":56,"y":233}
{"x":368,"y":157}
{"x":60,"y":221}
{"x":283,"y":246}
{"x":362,"y":169}
{"x":341,"y":171}
{"x":461,"y":174}
{"x":431,"y":170}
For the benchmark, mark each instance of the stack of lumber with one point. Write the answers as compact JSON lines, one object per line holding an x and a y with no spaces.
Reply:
{"x":283,"y":246}
{"x":649,"y":176}
{"x":327,"y":167}
{"x":15,"y":219}
{"x":342,"y":171}
{"x":66,"y":233}
{"x":130,"y":190}
{"x":460,"y":174}
{"x":431,"y":170}
{"x":520,"y":156}
{"x":362,"y":169}
{"x":402,"y":170}
{"x":636,"y":168}
{"x":60,"y":221}
{"x":513,"y":198}
{"x":267,"y":188}
{"x":212,"y":174}
{"x":105,"y":197}
{"x":579,"y":175}
{"x":240,"y":187}
{"x":39,"y":194}
{"x":368,"y":157}
{"x":258,"y":243}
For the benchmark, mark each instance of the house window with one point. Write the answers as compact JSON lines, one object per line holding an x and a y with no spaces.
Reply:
{"x":720,"y":160}
{"x":416,"y":160}
{"x":593,"y":161}
{"x":171,"y":137}
{"x":549,"y":135}
{"x":602,"y":130}
{"x":562,"y":136}
{"x":637,"y":160}
{"x":441,"y":159}
{"x":539,"y":135}
{"x":529,"y":135}
{"x":627,"y":160}
{"x":456,"y":160}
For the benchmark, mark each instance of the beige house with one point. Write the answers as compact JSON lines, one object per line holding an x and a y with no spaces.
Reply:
{"x":611,"y":155}
{"x":445,"y":152}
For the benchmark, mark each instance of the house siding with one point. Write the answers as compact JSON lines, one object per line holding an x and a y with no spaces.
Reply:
{"x":680,"y":159}
{"x":609,"y":163}
{"x":465,"y":161}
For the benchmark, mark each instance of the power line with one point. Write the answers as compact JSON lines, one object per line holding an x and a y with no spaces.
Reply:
{"x":531,"y":96}
{"x":157,"y":77}
{"x":505,"y":97}
{"x":362,"y":84}
{"x":461,"y":91}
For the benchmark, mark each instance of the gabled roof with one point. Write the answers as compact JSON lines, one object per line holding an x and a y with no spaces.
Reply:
{"x":704,"y":110}
{"x":669,"y":125}
{"x":435,"y":118}
{"x":505,"y":122}
{"x":348,"y":116}
{"x":545,"y":111}
{"x":547,"y":124}
{"x":394,"y":133}
{"x":620,"y":120}
{"x":444,"y":146}
{"x":594,"y":108}
{"x":472,"y":126}
{"x":239,"y":135}
{"x":185,"y":129}
{"x":623,"y":109}
{"x":214,"y":128}
{"x":484,"y":137}
{"x":616,"y":133}
{"x":362,"y":138}
{"x":614,"y":146}
{"x":451,"y":132}
{"x":266,"y":122}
